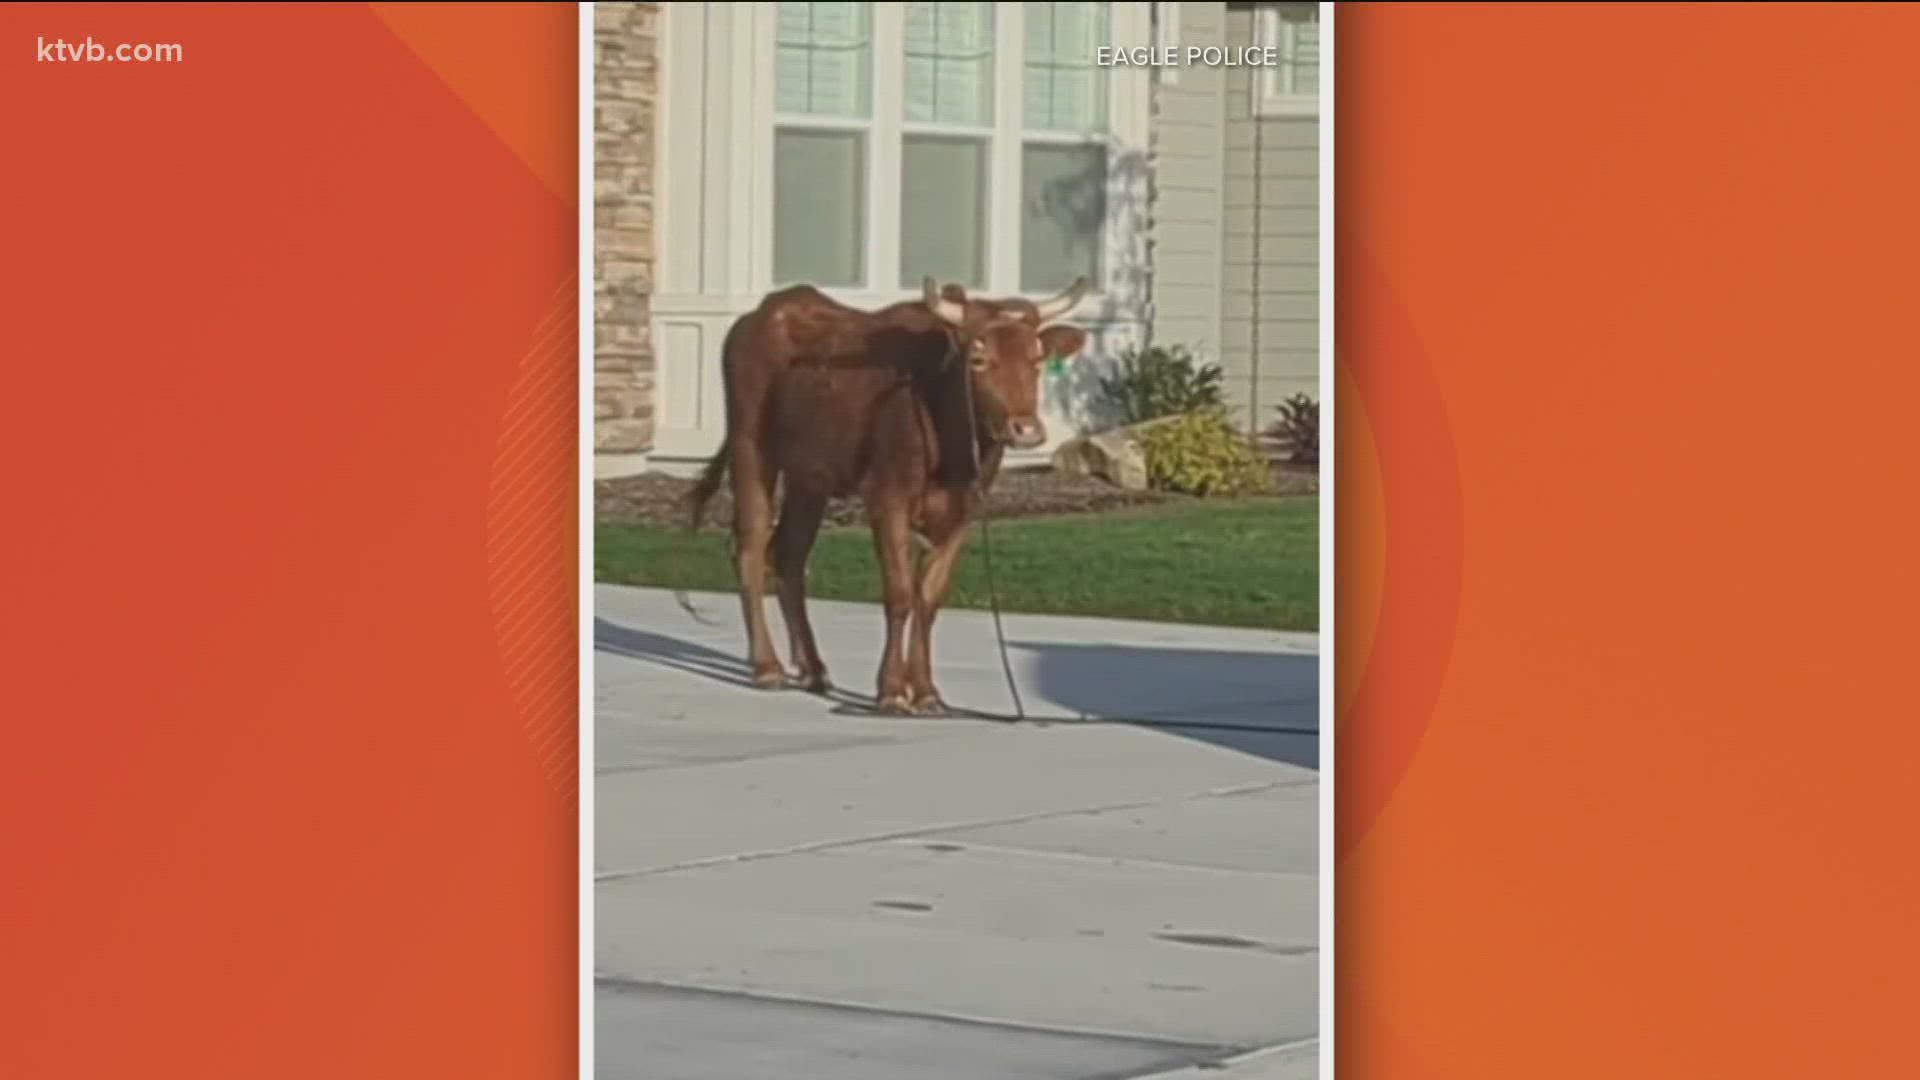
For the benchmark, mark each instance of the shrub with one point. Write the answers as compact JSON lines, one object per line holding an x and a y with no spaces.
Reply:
{"x":1298,"y":430}
{"x":1203,"y":454}
{"x":1157,"y":382}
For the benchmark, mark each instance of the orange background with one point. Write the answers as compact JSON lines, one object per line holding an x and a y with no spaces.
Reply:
{"x":289,"y":557}
{"x":1629,"y":408}
{"x":1626,"y":404}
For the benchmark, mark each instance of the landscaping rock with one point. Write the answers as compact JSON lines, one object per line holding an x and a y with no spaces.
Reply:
{"x":1115,"y":455}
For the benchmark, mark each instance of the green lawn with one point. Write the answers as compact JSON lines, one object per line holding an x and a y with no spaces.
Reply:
{"x":1252,"y":562}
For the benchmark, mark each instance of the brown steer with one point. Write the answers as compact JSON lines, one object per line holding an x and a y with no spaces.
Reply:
{"x":910,"y":407}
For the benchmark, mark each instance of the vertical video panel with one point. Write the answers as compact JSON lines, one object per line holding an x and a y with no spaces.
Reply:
{"x":956,"y":637}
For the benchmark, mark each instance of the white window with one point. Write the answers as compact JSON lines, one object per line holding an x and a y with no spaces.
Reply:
{"x":823,"y":104}
{"x":970,"y":142}
{"x":1290,"y":87}
{"x":947,"y":143}
{"x":1064,"y":154}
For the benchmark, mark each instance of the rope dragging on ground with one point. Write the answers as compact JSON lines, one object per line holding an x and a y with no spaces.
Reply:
{"x":1019,"y":715}
{"x":993,"y":601}
{"x":986,"y":537}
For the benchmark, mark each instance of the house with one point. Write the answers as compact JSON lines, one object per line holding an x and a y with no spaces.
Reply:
{"x":861,"y":146}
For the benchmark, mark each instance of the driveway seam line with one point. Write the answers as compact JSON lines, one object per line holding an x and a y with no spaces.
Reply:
{"x":918,"y":1014}
{"x":936,"y":830}
{"x":1118,"y":860}
{"x":1232,"y":1058}
{"x":963,"y":729}
{"x":735,"y":759}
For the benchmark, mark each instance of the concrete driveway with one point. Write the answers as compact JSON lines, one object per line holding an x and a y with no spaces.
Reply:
{"x":788,"y":887}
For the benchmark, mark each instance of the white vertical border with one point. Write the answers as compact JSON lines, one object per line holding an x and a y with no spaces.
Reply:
{"x":588,"y":282}
{"x":1328,"y":438}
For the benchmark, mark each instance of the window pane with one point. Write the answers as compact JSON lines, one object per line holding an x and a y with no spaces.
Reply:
{"x":1065,"y":89}
{"x":819,"y":207}
{"x":1302,"y":52}
{"x":1063,"y":214}
{"x":823,"y":59}
{"x":943,"y":210}
{"x":949,"y":64}
{"x":1293,"y":30}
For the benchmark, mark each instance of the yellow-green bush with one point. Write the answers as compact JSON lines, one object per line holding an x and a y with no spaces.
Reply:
{"x":1202,"y":453}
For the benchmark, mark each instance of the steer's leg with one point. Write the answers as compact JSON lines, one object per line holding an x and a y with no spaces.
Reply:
{"x":752,"y":529}
{"x":800,"y":516}
{"x":936,"y":576}
{"x":893,"y":543}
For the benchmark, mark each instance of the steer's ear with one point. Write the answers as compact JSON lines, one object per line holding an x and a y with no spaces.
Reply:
{"x":1063,"y":342}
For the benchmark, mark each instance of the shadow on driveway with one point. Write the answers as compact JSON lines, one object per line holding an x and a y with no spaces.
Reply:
{"x":610,"y":637}
{"x":1265,"y":704}
{"x":1262,"y":704}
{"x":695,"y":659}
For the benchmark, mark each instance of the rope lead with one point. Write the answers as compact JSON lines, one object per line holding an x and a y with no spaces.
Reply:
{"x":993,"y":601}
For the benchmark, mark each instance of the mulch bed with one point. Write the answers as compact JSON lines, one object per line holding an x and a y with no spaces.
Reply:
{"x":657,"y":499}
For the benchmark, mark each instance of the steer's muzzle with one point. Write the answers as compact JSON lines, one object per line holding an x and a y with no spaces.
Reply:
{"x":1027,"y":433}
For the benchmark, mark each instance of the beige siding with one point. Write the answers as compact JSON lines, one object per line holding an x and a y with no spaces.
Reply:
{"x":1189,"y":146}
{"x":1236,"y":225}
{"x":1270,"y":274}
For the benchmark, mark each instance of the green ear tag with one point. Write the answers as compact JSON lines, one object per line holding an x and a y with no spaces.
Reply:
{"x":1056,"y":364}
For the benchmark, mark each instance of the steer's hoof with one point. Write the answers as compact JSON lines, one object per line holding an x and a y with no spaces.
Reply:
{"x":928,"y":703}
{"x":817,"y":683}
{"x":894,"y":705}
{"x":770,"y":680}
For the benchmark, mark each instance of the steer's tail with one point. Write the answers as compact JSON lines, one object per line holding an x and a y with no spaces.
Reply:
{"x":705,"y":489}
{"x":702,"y":493}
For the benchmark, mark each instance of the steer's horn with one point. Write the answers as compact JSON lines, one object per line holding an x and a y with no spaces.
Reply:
{"x":940,"y":305}
{"x":1066,"y":301}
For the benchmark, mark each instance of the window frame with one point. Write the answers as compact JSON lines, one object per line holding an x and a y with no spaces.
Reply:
{"x":1268,"y":100}
{"x":1126,"y":118}
{"x":824,"y":122}
{"x":1074,"y":140}
{"x":987,"y":133}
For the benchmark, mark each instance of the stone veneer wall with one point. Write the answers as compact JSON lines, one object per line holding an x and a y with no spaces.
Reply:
{"x":625,"y":86}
